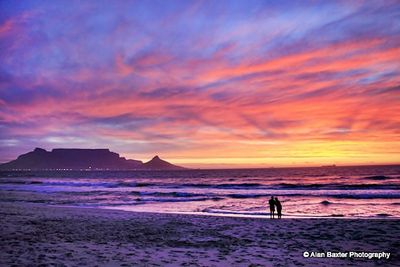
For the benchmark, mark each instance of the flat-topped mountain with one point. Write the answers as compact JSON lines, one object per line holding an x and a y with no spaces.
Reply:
{"x":78,"y":159}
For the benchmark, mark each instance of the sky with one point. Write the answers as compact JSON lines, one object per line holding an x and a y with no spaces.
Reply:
{"x":203,"y":83}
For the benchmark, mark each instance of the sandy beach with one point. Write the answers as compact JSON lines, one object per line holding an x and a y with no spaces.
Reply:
{"x":39,"y":235}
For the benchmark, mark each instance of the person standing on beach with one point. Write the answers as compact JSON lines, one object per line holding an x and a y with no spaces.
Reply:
{"x":278,"y":208}
{"x":271,"y":207}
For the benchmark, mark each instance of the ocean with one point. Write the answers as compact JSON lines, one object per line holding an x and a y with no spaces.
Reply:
{"x":337,"y":192}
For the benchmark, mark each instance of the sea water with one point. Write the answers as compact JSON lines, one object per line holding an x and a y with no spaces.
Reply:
{"x":349,"y":192}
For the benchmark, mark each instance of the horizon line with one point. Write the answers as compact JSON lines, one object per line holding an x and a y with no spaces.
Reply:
{"x":215,"y":166}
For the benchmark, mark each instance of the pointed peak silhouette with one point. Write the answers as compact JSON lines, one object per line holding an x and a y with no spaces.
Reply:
{"x":159,"y":164}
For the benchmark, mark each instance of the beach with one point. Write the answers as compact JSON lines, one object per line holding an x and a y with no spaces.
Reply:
{"x":36,"y":234}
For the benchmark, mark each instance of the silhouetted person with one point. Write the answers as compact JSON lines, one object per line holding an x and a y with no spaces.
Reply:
{"x":278,"y":207}
{"x":271,"y":208}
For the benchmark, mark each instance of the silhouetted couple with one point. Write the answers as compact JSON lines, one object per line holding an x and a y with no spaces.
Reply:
{"x":275,"y":203}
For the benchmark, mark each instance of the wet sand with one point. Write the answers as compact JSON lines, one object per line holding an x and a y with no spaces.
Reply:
{"x":40,"y":235}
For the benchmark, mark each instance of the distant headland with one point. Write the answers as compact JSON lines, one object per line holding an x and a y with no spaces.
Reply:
{"x":82,"y":159}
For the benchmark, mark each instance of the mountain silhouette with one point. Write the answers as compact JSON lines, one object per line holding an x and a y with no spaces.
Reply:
{"x":78,"y":159}
{"x":158,"y":164}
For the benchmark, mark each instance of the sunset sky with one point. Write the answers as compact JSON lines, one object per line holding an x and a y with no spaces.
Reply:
{"x":203,"y":83}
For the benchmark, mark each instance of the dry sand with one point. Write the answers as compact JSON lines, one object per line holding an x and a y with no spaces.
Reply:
{"x":40,"y":235}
